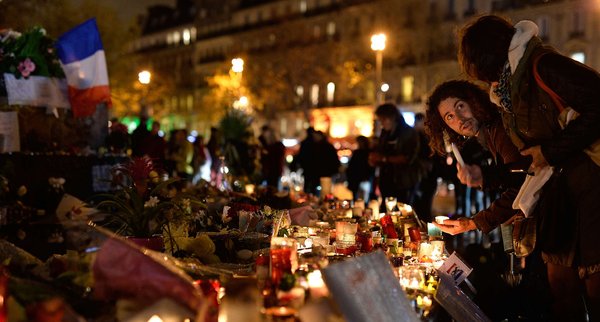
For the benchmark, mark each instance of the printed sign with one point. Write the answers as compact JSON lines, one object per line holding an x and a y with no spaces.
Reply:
{"x":455,"y":268}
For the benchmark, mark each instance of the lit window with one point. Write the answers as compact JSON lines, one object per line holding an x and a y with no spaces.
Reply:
{"x":283,"y":126}
{"x":176,"y":37}
{"x":407,"y":88}
{"x":330,"y":92}
{"x":314,"y":95}
{"x":331,"y":28}
{"x":303,"y":6}
{"x":186,"y":37}
{"x":409,"y":118}
{"x":300,"y":90}
{"x":579,"y":56}
{"x":194,"y":33}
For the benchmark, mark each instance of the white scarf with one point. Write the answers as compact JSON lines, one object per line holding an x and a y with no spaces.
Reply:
{"x":525,"y":30}
{"x":529,"y":193}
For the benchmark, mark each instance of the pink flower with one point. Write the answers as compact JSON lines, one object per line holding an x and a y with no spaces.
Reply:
{"x":26,"y":67}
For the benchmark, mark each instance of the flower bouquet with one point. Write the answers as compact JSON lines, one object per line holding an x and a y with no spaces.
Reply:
{"x":144,"y":204}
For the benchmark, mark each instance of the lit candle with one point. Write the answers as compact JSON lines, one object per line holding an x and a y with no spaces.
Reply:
{"x":316,"y":284}
{"x":427,"y":302}
{"x":440,"y":219}
{"x":249,"y":188}
{"x":414,"y":283}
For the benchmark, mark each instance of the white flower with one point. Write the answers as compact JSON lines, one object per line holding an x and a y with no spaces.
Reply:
{"x":224,"y":217}
{"x":152,"y":202}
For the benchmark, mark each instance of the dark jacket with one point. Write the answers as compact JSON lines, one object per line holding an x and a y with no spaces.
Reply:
{"x":404,"y":140}
{"x":534,"y":122}
{"x":497,"y":176}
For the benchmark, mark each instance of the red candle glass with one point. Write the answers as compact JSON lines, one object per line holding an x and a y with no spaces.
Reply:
{"x":281,"y":263}
{"x":415,"y":234}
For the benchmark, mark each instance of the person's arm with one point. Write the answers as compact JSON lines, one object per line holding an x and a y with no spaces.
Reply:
{"x":454,"y":227}
{"x":578,"y":86}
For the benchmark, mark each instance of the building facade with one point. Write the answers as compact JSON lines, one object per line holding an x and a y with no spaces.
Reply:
{"x":302,"y":56}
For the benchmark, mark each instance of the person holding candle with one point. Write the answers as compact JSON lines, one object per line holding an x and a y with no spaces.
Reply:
{"x":535,"y":86}
{"x":462,"y":111}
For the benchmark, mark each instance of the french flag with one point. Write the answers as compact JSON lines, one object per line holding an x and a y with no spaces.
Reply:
{"x":82,"y":57}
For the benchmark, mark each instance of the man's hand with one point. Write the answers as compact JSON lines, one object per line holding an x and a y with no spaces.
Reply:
{"x":454,"y":227}
{"x":470,"y":175}
{"x":539,"y":161}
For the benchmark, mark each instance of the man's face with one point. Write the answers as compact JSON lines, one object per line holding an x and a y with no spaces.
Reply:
{"x":457,"y":114}
{"x":387,"y":123}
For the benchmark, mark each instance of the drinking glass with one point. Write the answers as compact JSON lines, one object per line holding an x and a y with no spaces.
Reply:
{"x":390,"y":203}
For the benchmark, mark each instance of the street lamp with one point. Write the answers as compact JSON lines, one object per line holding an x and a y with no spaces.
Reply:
{"x":378,"y":45}
{"x":385,"y":87}
{"x":237,"y":65}
{"x":144,"y":78}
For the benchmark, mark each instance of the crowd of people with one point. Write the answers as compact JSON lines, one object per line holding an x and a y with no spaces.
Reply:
{"x":526,"y":115}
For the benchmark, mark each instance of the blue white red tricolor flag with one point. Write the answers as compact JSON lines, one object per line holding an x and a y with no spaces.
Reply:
{"x":82,"y":56}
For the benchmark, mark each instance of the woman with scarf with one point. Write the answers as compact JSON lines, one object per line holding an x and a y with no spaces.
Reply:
{"x":532,"y":84}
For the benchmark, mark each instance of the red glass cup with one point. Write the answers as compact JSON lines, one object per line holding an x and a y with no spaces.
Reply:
{"x":414,"y":233}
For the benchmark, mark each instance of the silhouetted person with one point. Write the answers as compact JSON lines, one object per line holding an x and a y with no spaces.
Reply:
{"x":359,"y":170}
{"x":429,"y":165}
{"x":118,"y":140}
{"x":154,"y":145}
{"x":272,"y":157}
{"x":396,"y":155}
{"x":138,"y":136}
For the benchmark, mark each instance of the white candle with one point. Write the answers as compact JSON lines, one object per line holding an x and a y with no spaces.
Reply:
{"x":316,"y":284}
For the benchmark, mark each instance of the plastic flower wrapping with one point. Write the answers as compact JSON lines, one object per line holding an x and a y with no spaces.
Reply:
{"x":88,"y":283}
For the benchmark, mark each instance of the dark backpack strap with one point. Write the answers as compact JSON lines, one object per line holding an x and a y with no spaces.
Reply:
{"x":558,"y":101}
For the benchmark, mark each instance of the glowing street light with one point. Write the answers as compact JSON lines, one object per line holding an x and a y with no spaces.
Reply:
{"x":144,"y":77}
{"x":385,"y":87}
{"x":378,"y":45}
{"x":237,"y":65}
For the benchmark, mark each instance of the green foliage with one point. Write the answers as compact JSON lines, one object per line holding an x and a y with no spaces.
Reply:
{"x":235,"y":125}
{"x":144,"y":204}
{"x":35,"y":45}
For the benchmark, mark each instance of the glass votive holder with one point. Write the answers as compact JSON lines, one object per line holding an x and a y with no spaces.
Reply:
{"x":359,"y":203}
{"x":345,"y":233}
{"x":425,"y":250}
{"x":321,"y":238}
{"x":374,"y":206}
{"x":411,"y":277}
{"x":437,"y":249}
{"x":433,"y":230}
{"x":414,"y":233}
{"x":284,"y":253}
{"x":440,"y":219}
{"x":365,"y":240}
